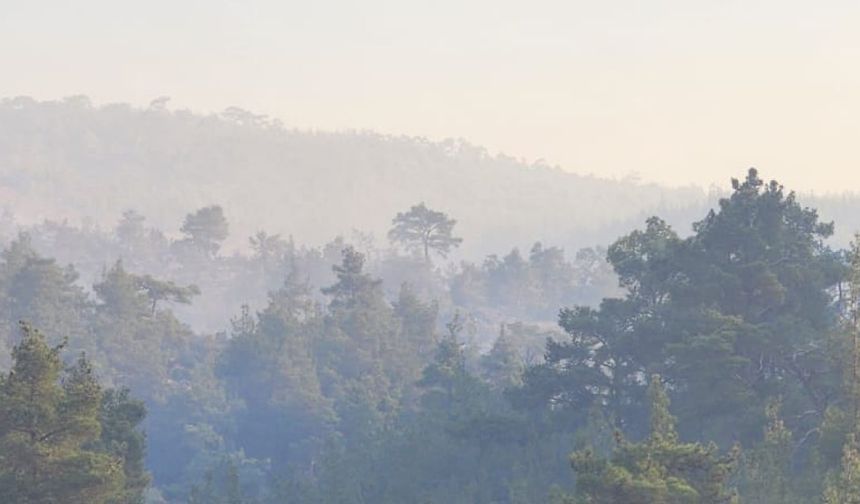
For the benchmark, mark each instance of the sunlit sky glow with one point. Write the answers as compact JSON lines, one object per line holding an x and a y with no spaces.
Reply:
{"x":679,"y":92}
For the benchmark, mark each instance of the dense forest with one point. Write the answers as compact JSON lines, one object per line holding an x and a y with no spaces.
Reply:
{"x":305,"y":317}
{"x":718,"y":365}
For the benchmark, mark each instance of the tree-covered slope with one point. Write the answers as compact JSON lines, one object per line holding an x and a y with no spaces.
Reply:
{"x":70,"y":159}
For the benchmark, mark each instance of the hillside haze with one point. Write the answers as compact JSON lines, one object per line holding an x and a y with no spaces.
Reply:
{"x":71,"y":160}
{"x":326,"y":365}
{"x":429,"y":252}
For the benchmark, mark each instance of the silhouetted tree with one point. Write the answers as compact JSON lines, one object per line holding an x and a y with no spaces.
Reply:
{"x":424,"y":229}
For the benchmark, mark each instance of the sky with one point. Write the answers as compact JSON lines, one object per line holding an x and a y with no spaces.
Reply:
{"x":671,"y":91}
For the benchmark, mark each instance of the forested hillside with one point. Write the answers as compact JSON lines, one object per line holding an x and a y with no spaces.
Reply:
{"x":72,"y":160}
{"x":715,"y":366}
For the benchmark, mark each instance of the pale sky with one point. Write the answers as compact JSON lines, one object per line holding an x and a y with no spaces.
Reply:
{"x":677,"y":91}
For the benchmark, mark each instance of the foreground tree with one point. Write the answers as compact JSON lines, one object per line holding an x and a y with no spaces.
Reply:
{"x":47,"y":425}
{"x":659,"y":470}
{"x":424,"y":229}
{"x":732,"y":315}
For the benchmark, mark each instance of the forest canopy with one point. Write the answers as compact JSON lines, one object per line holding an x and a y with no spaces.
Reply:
{"x":710,"y":367}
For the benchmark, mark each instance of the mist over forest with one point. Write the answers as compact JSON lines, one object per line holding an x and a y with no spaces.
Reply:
{"x":219,"y":309}
{"x":306,"y":184}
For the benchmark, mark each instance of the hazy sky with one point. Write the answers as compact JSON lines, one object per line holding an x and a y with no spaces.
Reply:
{"x":678,"y":91}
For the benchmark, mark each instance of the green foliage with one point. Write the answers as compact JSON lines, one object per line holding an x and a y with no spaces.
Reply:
{"x":359,"y":326}
{"x":767,"y":467}
{"x":46,"y":426}
{"x":36,"y":289}
{"x":120,"y":417}
{"x":353,"y":393}
{"x":732,"y":314}
{"x":137,"y":344}
{"x":503,"y":365}
{"x":269,"y":366}
{"x":844,"y":486}
{"x":660,"y":470}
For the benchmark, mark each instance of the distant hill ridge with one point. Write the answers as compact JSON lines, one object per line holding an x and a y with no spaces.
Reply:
{"x":70,"y":159}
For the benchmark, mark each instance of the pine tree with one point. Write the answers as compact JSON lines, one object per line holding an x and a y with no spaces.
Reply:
{"x":426,"y":230}
{"x":206,"y":229}
{"x":120,"y":418}
{"x":46,"y":425}
{"x":851,"y":322}
{"x":843,"y":487}
{"x":768,"y":465}
{"x":503,"y":365}
{"x":137,"y":343}
{"x":659,"y":470}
